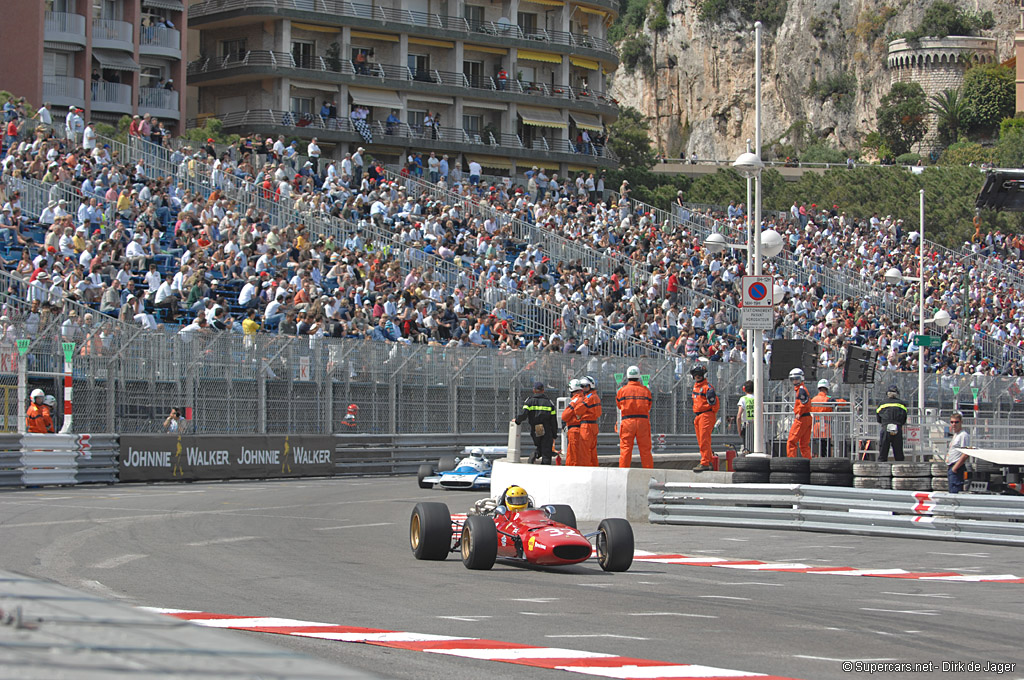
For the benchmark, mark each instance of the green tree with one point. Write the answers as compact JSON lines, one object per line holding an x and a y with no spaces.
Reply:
{"x":989,"y":93}
{"x":1010,"y":150}
{"x":901,"y":117}
{"x":951,"y":110}
{"x":212,"y":128}
{"x":629,"y":139}
{"x":965,"y":153}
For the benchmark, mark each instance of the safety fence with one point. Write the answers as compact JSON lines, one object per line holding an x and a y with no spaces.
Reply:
{"x":904,"y":514}
{"x":57,"y":459}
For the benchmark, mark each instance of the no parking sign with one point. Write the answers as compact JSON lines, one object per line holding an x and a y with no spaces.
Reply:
{"x":758,"y":299}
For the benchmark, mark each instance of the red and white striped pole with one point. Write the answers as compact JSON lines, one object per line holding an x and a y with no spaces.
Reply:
{"x":69,"y":352}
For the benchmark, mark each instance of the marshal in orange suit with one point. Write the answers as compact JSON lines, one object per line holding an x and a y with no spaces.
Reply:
{"x":634,"y":401}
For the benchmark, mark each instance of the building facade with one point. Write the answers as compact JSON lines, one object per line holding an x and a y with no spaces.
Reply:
{"x":507,"y":83}
{"x":108,"y":57}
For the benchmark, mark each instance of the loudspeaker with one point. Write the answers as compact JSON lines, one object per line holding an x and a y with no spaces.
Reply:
{"x":859,"y":368}
{"x":790,"y":354}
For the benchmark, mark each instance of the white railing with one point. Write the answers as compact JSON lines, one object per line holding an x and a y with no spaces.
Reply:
{"x":63,"y":87}
{"x":63,"y":22}
{"x":111,"y":30}
{"x":112,"y":93}
{"x":160,"y":36}
{"x":157,"y":98}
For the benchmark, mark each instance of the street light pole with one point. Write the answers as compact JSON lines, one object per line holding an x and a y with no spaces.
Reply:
{"x":758,"y":335}
{"x":920,"y":348}
{"x":749,"y":334}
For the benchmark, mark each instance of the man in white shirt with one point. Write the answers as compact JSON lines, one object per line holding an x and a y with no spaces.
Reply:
{"x":357,"y":165}
{"x":45,"y":117}
{"x":956,"y":457}
{"x":475,"y":170}
{"x":89,"y":138}
{"x":313,"y":151}
{"x":166,"y":298}
{"x":248,"y":296}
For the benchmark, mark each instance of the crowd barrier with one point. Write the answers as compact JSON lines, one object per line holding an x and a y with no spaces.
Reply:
{"x":57,"y":459}
{"x":903,"y":514}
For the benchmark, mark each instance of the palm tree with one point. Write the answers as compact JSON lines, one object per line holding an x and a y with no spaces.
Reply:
{"x":951,"y":109}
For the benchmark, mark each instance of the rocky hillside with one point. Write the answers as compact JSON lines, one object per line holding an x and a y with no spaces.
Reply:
{"x":824,"y":72}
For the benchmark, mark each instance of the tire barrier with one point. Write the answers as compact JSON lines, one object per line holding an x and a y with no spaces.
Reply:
{"x":876,"y":512}
{"x":57,"y":459}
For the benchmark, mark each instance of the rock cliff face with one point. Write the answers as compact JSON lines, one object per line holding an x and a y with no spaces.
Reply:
{"x":701,"y":95}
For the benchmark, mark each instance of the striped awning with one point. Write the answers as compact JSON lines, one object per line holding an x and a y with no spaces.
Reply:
{"x":431,"y":42}
{"x":375,"y":36}
{"x":590,"y":64}
{"x":591,"y":10}
{"x":485,"y":48}
{"x":586,"y":121}
{"x":62,"y":46}
{"x":367,"y":97}
{"x":316,"y":28}
{"x":548,"y":57}
{"x":542,"y":117}
{"x":173,"y":5}
{"x":548,"y":3}
{"x":114,"y":60}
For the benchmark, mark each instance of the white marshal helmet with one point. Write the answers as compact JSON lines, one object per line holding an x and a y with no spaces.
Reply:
{"x":50,"y":400}
{"x":823,"y":383}
{"x":797,"y":374}
{"x":574,"y":385}
{"x":590,"y":381}
{"x":37,"y":394}
{"x":633,"y":373}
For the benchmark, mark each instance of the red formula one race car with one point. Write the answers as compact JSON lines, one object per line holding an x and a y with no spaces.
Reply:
{"x":509,"y":527}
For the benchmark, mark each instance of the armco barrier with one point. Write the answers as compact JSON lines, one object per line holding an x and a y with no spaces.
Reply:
{"x":904,"y":514}
{"x":57,"y":459}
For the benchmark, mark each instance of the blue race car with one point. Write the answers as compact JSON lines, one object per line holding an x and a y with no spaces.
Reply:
{"x":472,"y":471}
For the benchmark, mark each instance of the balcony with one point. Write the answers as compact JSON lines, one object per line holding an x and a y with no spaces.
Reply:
{"x":259,"y":62}
{"x":159,"y":102}
{"x":112,"y":34}
{"x":160,"y":41}
{"x":62,"y":27}
{"x":400,"y":20}
{"x":446,"y":139}
{"x":64,"y":90}
{"x":113,"y":97}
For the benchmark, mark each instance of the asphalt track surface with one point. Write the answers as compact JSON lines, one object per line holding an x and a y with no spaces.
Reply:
{"x":337,"y":551}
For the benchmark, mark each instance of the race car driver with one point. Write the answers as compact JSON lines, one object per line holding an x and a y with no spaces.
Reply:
{"x":515,"y":499}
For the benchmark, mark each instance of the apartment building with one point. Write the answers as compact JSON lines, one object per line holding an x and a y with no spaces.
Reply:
{"x":108,"y":57}
{"x":508,"y":83}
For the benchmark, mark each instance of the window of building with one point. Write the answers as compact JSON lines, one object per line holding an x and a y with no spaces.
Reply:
{"x":414,"y":118}
{"x":304,"y":53}
{"x":150,"y":76}
{"x":58,"y":64}
{"x":106,"y":9}
{"x":472,"y":124}
{"x":527,"y":22}
{"x":233,"y":50}
{"x":474,"y":72}
{"x":474,"y":15}
{"x":66,"y":6}
{"x":302,"y":105}
{"x":419,"y":64}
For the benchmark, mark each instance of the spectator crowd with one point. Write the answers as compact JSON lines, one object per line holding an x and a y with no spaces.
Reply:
{"x":152,"y":248}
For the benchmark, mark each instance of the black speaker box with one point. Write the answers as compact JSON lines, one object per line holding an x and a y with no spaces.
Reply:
{"x":790,"y":354}
{"x":859,"y":368}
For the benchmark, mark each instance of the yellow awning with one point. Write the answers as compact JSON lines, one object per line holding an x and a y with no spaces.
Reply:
{"x":548,"y":3}
{"x":492,"y":162}
{"x":314,"y":27}
{"x":590,"y":10}
{"x":485,"y":48}
{"x":542,"y":117}
{"x":582,"y":168}
{"x":586,"y":121}
{"x":548,"y":57}
{"x":375,"y":36}
{"x":590,"y":64}
{"x":431,"y":43}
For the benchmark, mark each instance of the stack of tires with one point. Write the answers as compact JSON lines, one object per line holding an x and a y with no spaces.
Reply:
{"x":940,"y":478}
{"x":751,"y":470}
{"x":790,"y":471}
{"x":871,"y":475}
{"x":912,"y":476}
{"x":831,"y":472}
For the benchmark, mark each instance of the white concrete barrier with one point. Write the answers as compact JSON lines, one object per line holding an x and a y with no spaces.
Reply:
{"x":593,"y":493}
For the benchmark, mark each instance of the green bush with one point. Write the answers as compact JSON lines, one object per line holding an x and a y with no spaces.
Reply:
{"x":990,"y":96}
{"x":768,"y":12}
{"x":635,"y":54}
{"x":908,"y":159}
{"x":822,"y":153}
{"x":944,"y":18}
{"x":965,"y":153}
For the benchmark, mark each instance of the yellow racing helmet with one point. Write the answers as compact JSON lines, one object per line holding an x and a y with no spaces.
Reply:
{"x":516,"y":498}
